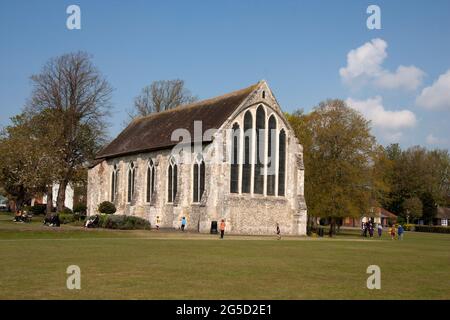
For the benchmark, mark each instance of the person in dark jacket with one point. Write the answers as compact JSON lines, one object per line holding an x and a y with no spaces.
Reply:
{"x":400,"y":232}
{"x":278,"y":232}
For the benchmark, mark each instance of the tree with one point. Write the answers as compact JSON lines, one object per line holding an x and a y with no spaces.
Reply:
{"x":26,"y":167}
{"x":159,"y":96}
{"x":74,"y":98}
{"x":417,"y":173}
{"x":338,"y":154}
{"x":413,"y":208}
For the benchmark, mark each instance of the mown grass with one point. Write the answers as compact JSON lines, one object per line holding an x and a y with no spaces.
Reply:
{"x":172,"y":265}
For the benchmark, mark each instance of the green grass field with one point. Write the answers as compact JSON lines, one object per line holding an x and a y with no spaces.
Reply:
{"x":172,"y":265}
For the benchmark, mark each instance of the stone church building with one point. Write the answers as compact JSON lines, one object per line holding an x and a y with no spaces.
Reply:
{"x":233,"y":157}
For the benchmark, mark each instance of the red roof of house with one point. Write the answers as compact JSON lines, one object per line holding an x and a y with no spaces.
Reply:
{"x":387,"y":214}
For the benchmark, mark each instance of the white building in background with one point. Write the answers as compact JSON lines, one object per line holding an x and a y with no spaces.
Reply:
{"x":68,"y":203}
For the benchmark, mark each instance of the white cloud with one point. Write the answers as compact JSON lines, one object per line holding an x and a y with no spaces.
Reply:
{"x":436,"y":96}
{"x":364,"y":65}
{"x":365,"y":60}
{"x":381,"y":118}
{"x":408,"y":78}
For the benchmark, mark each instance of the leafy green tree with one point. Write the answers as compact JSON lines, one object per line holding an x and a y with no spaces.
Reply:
{"x":26,"y":166}
{"x":413,"y":208}
{"x":338,"y":155}
{"x":417,"y":173}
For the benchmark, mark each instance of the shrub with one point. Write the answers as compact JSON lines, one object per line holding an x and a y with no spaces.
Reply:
{"x":38,"y":209}
{"x":80,"y":208}
{"x":79,"y":216}
{"x":102,"y":220}
{"x":66,"y":211}
{"x":123,"y":222}
{"x":401,"y":220}
{"x":434,"y":229}
{"x":409,"y":227}
{"x":65,"y":218}
{"x":107,"y":207}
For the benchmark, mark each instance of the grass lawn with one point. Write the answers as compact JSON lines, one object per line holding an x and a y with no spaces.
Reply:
{"x":172,"y":265}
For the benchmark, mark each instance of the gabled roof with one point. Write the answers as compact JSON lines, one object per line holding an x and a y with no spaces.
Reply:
{"x":443,"y":213}
{"x":153,"y":132}
{"x":380,"y":212}
{"x":387,"y":214}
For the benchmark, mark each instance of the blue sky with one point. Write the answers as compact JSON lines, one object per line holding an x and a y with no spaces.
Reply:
{"x":300,"y":47}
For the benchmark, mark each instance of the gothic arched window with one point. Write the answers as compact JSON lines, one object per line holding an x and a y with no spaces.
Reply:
{"x":172,"y":180}
{"x":199,"y":179}
{"x":247,"y":166}
{"x":131,"y":181}
{"x":114,"y":181}
{"x":150,"y":180}
{"x":282,"y":164}
{"x":234,"y":174}
{"x":271,"y":151}
{"x":259,"y":156}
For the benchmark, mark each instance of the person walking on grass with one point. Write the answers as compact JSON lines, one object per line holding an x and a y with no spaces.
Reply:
{"x":400,"y":232}
{"x":183,"y":223}
{"x":278,"y":232}
{"x":365,"y":229}
{"x":158,"y":222}
{"x":380,"y":230}
{"x":392,"y":232}
{"x":222,"y":228}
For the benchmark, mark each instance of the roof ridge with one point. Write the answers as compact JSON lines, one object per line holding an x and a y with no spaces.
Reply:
{"x":154,"y":131}
{"x":198,"y":103}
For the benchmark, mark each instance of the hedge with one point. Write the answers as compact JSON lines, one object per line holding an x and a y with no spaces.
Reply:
{"x":65,"y":218}
{"x":409,"y":227}
{"x":434,"y":229}
{"x":38,"y":209}
{"x":123,"y":222}
{"x":80,"y":208}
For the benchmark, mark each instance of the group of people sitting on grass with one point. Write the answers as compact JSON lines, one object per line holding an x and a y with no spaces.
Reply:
{"x":22,"y":216}
{"x":52,"y":220}
{"x":395,"y":231}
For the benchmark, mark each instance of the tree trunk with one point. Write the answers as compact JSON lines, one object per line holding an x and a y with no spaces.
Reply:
{"x":49,"y":199}
{"x":61,"y":195}
{"x":332,"y":227}
{"x":311,"y":225}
